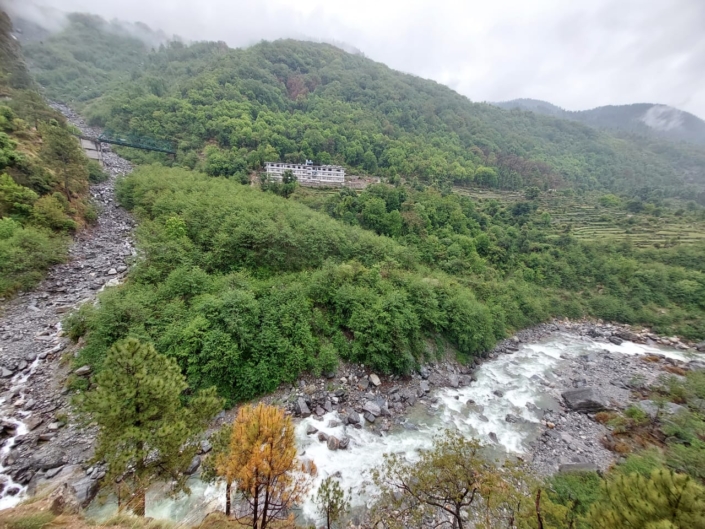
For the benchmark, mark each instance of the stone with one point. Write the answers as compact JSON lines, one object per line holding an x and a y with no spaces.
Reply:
{"x":322,"y":437}
{"x":373,"y":408}
{"x":83,"y":371}
{"x":652,"y":409}
{"x":511,"y":418}
{"x":344,"y":443}
{"x":5,"y":372}
{"x":353,"y":418}
{"x":64,"y":501}
{"x":700,"y":347}
{"x":319,"y":411}
{"x":585,"y":400}
{"x":363,"y":384}
{"x":369,"y":417}
{"x":112,"y":272}
{"x":453,"y":381}
{"x":627,"y":336}
{"x":206,"y":446}
{"x":311,"y":429}
{"x":493,"y":437}
{"x":423,"y":371}
{"x":578,"y":467}
{"x":498,"y":392}
{"x":333,"y":424}
{"x":333,"y":443}
{"x":33,"y":422}
{"x":376,"y":382}
{"x":85,"y":490}
{"x":483,"y":418}
{"x":616,"y":340}
{"x":302,"y":408}
{"x":193,"y":465}
{"x":53,"y":472}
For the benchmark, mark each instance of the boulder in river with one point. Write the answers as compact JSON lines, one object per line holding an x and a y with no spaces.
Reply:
{"x":369,"y":417}
{"x":333,"y":443}
{"x":375,"y":380}
{"x":616,"y":340}
{"x":311,"y":429}
{"x":353,"y":418}
{"x":585,"y":400}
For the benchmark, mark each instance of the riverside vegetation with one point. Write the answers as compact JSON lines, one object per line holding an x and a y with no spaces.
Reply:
{"x":237,"y":290}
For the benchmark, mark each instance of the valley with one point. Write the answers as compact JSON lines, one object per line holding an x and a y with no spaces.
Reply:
{"x":510,"y":315}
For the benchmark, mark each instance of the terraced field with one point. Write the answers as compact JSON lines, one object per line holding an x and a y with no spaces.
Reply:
{"x":587,"y":220}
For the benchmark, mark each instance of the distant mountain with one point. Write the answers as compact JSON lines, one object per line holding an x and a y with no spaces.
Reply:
{"x":646,"y":119}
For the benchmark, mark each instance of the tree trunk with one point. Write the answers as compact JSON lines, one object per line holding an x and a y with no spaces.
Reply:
{"x":139,"y":502}
{"x":255,"y":507}
{"x":265,"y":508}
{"x":227,"y":498}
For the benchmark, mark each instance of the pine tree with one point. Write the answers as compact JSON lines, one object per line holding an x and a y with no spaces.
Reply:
{"x":146,"y":433}
{"x":332,"y":501}
{"x":264,"y":466}
{"x":665,"y":500}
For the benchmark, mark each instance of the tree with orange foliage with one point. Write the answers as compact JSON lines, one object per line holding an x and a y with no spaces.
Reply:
{"x":262,"y":464}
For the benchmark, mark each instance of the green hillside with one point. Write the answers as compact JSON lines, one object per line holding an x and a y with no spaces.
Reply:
{"x":292,"y":100}
{"x":44,"y":176}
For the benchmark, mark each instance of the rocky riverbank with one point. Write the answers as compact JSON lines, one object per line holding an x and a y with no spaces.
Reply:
{"x":571,"y":439}
{"x":41,"y":439}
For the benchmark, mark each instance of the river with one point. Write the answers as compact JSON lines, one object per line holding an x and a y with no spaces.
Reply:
{"x":523,"y":379}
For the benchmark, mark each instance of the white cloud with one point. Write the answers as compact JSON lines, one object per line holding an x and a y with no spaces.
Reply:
{"x":578,"y":54}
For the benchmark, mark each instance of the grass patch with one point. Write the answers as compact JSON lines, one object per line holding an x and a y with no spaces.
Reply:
{"x":31,"y":521}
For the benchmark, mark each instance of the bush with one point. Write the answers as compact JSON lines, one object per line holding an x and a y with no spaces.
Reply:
{"x":50,"y":212}
{"x":25,"y":255}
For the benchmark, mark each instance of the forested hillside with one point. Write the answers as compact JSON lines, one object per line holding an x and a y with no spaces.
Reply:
{"x":292,"y":100}
{"x":246,"y":289}
{"x":658,"y":122}
{"x":44,"y":175}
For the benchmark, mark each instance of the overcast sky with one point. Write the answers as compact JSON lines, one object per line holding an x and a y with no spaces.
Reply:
{"x":577,"y":54}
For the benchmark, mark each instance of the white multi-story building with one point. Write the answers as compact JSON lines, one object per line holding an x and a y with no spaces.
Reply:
{"x":307,"y":173}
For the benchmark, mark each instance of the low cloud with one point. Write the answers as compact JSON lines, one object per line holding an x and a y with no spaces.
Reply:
{"x":577,"y":55}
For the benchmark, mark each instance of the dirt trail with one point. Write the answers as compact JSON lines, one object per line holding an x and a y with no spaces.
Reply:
{"x":36,"y":444}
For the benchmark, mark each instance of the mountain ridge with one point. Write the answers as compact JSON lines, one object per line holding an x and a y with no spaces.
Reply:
{"x":650,"y":119}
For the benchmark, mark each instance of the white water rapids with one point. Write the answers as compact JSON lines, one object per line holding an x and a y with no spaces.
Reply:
{"x":523,"y":378}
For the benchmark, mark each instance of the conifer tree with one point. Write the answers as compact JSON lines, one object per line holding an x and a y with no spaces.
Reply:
{"x":264,"y":466}
{"x":332,"y":501}
{"x":665,"y":500}
{"x":146,"y":433}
